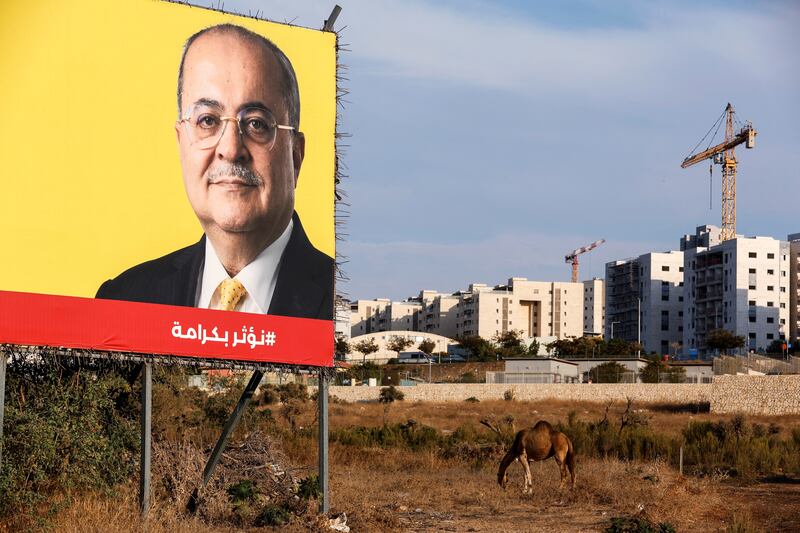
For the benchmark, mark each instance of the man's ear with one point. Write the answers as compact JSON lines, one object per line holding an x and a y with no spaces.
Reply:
{"x":298,"y":153}
{"x":178,"y":131}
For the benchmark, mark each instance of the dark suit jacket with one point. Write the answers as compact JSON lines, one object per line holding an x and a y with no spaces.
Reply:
{"x":304,"y":288}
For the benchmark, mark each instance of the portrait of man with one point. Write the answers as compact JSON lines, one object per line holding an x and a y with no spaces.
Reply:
{"x":241,"y":152}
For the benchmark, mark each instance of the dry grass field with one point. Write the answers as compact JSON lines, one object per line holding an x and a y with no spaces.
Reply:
{"x":398,"y":488}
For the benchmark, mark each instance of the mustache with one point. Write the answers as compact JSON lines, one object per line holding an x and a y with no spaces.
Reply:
{"x":235,"y":170}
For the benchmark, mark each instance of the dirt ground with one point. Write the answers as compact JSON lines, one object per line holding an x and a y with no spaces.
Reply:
{"x":392,"y":489}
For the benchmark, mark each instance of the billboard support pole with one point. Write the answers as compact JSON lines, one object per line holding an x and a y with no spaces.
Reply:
{"x":322,"y":399}
{"x":2,"y":400}
{"x":147,"y":404}
{"x":222,"y":442}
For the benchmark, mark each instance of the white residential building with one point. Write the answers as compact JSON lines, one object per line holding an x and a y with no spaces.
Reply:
{"x":741,"y":285}
{"x":794,"y":286}
{"x":644,"y":301}
{"x":594,"y":307}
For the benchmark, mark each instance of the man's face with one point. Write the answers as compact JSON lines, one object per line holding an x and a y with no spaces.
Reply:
{"x":238,"y":186}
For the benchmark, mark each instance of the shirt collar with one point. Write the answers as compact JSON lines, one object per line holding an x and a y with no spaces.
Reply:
{"x":259,"y":277}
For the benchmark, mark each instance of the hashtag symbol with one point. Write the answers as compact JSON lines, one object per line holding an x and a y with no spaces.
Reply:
{"x":269,"y":339}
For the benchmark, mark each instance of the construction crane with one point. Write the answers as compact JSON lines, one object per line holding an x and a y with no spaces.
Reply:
{"x":572,"y":257}
{"x":723,"y":154}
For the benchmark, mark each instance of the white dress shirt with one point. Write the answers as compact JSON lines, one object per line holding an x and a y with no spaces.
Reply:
{"x":259,"y":277}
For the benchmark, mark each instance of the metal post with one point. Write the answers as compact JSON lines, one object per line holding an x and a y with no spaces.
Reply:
{"x":2,"y":400}
{"x":680,"y":463}
{"x":144,"y":467}
{"x":322,"y":400}
{"x":222,"y":442}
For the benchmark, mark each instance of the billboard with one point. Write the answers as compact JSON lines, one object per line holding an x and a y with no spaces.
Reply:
{"x":168,"y":181}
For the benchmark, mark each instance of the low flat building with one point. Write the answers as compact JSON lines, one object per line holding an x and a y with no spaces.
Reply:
{"x":535,"y":370}
{"x":633,"y":365}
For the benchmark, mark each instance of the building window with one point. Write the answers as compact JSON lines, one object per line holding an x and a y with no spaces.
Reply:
{"x":783,"y":305}
{"x":751,"y":287}
{"x":770,"y":256}
{"x":770,"y":271}
{"x":752,"y":255}
{"x":770,"y":287}
{"x":680,"y":298}
{"x":751,"y":271}
{"x":770,"y":320}
{"x":680,"y":269}
{"x":751,"y":335}
{"x":783,"y":289}
{"x":752,"y":318}
{"x":770,"y":304}
{"x":770,"y":336}
{"x":665,"y":268}
{"x":783,"y":321}
{"x":751,"y":303}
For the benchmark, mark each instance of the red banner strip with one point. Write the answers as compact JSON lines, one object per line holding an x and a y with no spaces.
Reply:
{"x":70,"y":322}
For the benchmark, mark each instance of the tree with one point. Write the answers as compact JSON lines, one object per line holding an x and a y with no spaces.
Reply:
{"x":366,"y":347}
{"x":478,"y":347}
{"x":776,"y":347}
{"x":389,"y":395}
{"x":658,"y":371}
{"x":398,"y":343}
{"x":509,"y":343}
{"x":723,"y":340}
{"x":610,"y":372}
{"x":533,"y":349}
{"x":342,"y":347}
{"x":427,"y":347}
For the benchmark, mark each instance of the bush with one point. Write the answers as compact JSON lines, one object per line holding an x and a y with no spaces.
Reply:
{"x":468,"y":377}
{"x":472,"y":399}
{"x":309,"y":488}
{"x":509,"y":395}
{"x":68,"y":425}
{"x":273,"y":515}
{"x":390,"y":394}
{"x":626,"y":524}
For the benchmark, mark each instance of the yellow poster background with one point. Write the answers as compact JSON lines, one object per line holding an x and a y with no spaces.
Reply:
{"x":90,"y":178}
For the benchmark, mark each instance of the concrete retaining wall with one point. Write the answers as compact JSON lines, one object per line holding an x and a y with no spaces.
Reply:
{"x":765,"y":395}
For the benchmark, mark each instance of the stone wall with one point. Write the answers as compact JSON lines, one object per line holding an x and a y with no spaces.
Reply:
{"x":597,"y":392}
{"x":763,"y":395}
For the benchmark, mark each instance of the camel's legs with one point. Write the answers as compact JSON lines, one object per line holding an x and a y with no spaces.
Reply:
{"x":562,"y":466}
{"x":523,"y":459}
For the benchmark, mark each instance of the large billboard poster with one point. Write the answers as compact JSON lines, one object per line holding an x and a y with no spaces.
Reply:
{"x":163,"y":166}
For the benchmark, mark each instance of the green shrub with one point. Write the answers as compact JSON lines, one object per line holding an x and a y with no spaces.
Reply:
{"x":68,"y":425}
{"x":273,"y":515}
{"x":309,"y":488}
{"x":390,"y":394}
{"x":627,"y":524}
{"x":472,"y":399}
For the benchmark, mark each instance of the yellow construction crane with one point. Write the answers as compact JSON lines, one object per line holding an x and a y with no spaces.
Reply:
{"x":723,"y":154}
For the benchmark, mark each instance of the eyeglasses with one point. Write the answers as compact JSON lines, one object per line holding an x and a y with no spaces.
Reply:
{"x":206,"y":126}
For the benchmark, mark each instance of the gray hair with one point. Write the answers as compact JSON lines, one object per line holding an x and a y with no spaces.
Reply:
{"x":289,"y":89}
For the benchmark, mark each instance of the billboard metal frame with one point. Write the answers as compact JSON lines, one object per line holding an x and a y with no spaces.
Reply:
{"x":144,"y":370}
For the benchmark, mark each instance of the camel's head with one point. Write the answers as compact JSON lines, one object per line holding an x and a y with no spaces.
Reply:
{"x":502,"y":478}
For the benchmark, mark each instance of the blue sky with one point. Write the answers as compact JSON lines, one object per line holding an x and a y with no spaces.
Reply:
{"x":491,"y":138}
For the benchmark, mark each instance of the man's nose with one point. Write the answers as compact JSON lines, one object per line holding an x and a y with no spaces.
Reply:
{"x":231,"y":145}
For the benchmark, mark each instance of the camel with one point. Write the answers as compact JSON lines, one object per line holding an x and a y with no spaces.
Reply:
{"x":537,"y":444}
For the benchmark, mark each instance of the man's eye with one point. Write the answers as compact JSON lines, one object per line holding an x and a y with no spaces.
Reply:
{"x":207,"y":121}
{"x":257,"y":125}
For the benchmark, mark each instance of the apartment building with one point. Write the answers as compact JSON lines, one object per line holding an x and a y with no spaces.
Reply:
{"x":594,"y":306}
{"x":794,"y":286}
{"x":364,"y":315}
{"x":622,"y":300}
{"x":741,"y":285}
{"x":644,"y":300}
{"x":537,"y":308}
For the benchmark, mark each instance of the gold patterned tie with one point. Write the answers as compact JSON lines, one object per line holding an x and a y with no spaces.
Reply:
{"x":231,"y":291}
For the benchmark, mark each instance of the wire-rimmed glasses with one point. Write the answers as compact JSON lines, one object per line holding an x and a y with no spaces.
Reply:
{"x":206,"y":126}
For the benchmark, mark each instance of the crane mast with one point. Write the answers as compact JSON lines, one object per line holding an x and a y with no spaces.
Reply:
{"x":724,"y":154}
